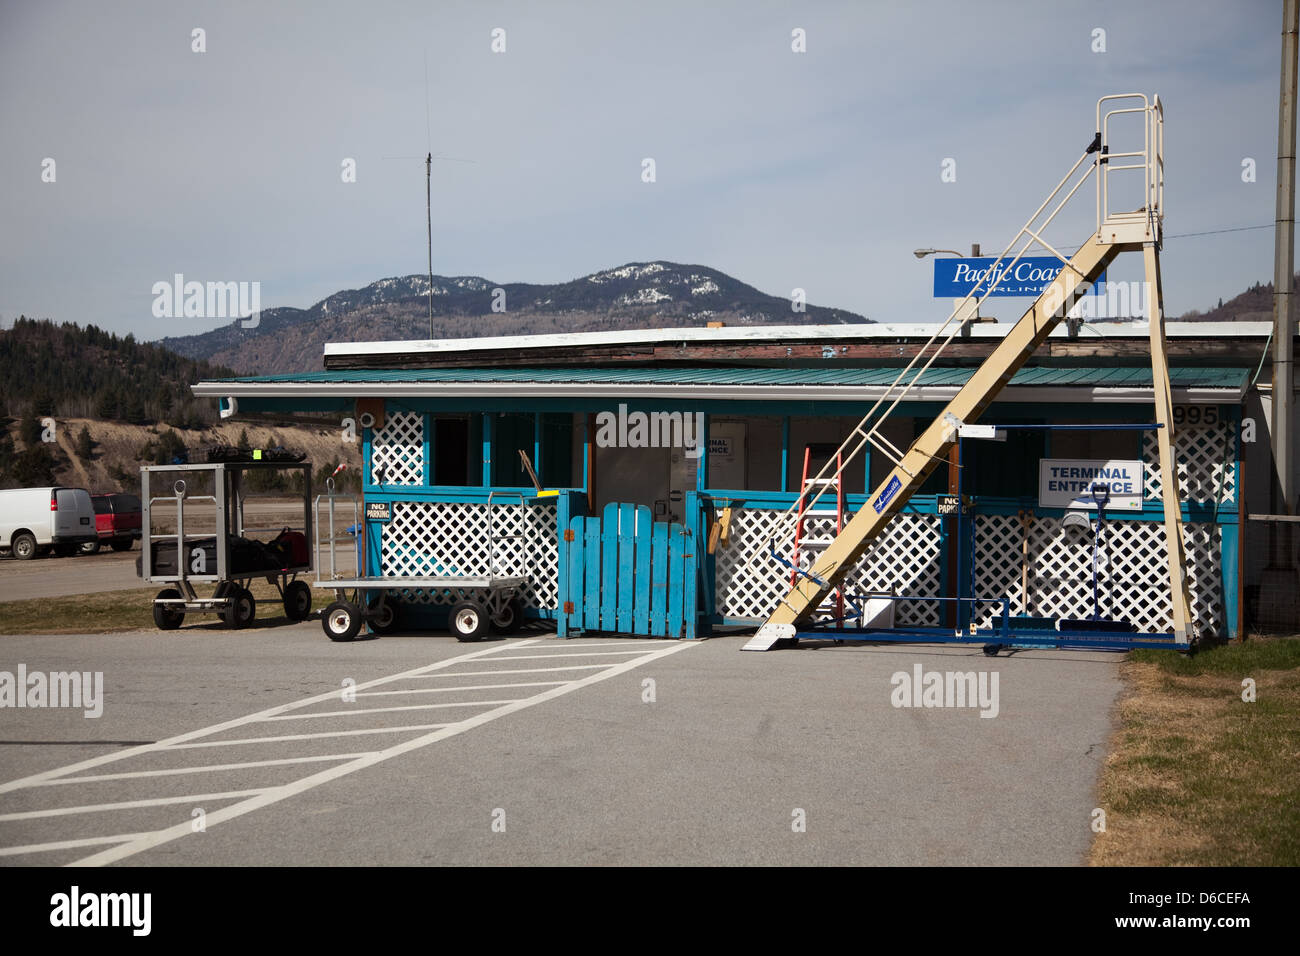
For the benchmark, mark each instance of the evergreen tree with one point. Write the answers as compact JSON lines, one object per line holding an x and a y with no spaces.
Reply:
{"x":35,"y":467}
{"x":106,"y":404}
{"x":30,"y":430}
{"x":85,"y":445}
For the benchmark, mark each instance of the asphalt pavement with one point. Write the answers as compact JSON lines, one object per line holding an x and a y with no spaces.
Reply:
{"x":601,"y":750}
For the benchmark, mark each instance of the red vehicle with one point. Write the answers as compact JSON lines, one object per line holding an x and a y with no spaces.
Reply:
{"x":117,"y":519}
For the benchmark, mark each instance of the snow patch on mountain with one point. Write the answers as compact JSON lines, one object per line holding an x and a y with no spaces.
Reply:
{"x":643,"y":297}
{"x":627,"y":272}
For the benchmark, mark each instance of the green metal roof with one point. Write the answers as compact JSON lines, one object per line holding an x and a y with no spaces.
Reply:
{"x":1082,"y":376}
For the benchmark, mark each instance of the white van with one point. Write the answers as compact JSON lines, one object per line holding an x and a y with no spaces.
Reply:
{"x":34,"y":520}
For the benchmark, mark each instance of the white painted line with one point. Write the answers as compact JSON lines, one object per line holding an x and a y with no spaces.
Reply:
{"x":221,"y":815}
{"x":117,"y":755}
{"x":210,"y":768}
{"x":629,"y":642}
{"x":389,"y":710}
{"x":315,"y":736}
{"x":526,"y":670}
{"x":129,"y":805}
{"x":450,"y":690}
{"x":68,"y":844}
{"x":552,"y":657}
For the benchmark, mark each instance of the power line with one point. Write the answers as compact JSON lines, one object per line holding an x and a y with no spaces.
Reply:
{"x":1187,"y":235}
{"x":1215,"y":232}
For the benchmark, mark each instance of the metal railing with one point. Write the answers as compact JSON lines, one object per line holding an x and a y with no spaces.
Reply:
{"x":867,"y":431}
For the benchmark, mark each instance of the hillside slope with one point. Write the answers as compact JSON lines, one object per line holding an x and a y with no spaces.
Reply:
{"x":119,"y":449}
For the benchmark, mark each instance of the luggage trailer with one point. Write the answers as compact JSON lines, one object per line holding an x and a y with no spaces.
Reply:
{"x":479,"y":601}
{"x":195,"y":565}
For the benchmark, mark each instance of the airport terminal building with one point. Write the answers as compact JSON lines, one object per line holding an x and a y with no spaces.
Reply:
{"x":608,"y":423}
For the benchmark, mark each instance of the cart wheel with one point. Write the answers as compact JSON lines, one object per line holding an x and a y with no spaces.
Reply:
{"x":340,"y":621}
{"x":241,"y":610}
{"x":468,"y":622}
{"x":297,"y":600}
{"x":381,"y":615}
{"x":511,"y":617}
{"x":165,"y":615}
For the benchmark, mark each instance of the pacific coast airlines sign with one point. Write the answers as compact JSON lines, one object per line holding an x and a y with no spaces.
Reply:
{"x":956,"y":278}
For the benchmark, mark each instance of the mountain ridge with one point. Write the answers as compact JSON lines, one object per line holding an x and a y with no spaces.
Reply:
{"x":635,"y":295}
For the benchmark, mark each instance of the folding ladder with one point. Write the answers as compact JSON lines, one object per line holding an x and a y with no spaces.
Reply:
{"x":834,"y":607}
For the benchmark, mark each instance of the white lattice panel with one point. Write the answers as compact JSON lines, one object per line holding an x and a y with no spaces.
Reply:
{"x":428,"y":538}
{"x":1205,"y":456}
{"x":1134,"y":583}
{"x":905,"y":560}
{"x":397,"y":450}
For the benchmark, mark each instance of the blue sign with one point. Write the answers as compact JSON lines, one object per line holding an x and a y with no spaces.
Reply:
{"x":957,"y":278}
{"x":886,"y":496}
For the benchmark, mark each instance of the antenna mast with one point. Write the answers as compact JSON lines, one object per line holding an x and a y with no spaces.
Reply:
{"x":428,"y":218}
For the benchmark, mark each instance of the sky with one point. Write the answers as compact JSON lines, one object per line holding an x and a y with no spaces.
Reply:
{"x":819,"y":170}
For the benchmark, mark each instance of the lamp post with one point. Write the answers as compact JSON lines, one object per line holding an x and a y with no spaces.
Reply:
{"x":975,"y":254}
{"x":954,"y":455}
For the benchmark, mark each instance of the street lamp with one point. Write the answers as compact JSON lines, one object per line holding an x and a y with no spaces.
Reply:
{"x":974,"y":251}
{"x":975,"y":312}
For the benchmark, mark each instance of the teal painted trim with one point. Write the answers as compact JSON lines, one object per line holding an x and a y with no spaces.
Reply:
{"x":429,"y":425}
{"x":1151,"y":510}
{"x":586,"y":454}
{"x":473,"y":494}
{"x":537,"y":444}
{"x":373,"y":547}
{"x":702,"y":463}
{"x":865,"y":454}
{"x":928,"y":504}
{"x":1229,"y":542}
{"x":785,"y":453}
{"x":562,"y":565}
{"x":487,"y":450}
{"x":947,"y":527}
{"x":365,"y":457}
{"x":700,"y":594}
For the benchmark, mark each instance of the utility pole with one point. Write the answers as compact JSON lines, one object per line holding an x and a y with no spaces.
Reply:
{"x":1284,"y":421}
{"x":1279,"y":588}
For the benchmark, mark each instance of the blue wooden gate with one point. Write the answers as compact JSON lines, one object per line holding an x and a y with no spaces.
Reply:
{"x":626,"y":573}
